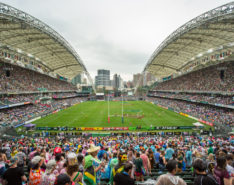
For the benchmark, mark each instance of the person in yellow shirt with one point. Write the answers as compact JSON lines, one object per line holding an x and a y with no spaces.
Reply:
{"x":14,"y":151}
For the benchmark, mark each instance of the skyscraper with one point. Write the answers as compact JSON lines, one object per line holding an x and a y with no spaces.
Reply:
{"x":116,"y":80}
{"x":103,"y":78}
{"x":137,"y":78}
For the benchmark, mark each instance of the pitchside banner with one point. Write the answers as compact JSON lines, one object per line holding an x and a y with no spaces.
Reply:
{"x":111,"y":128}
{"x":174,"y":128}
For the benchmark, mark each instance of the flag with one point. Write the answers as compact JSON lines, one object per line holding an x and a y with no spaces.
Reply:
{"x":89,"y":176}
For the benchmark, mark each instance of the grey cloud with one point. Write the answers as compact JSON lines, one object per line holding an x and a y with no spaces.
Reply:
{"x":119,"y":35}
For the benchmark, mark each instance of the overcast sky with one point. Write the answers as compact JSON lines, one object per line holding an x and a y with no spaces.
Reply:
{"x":119,"y":35}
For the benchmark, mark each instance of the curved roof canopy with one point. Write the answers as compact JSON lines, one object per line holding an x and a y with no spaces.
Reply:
{"x":203,"y":35}
{"x":20,"y":31}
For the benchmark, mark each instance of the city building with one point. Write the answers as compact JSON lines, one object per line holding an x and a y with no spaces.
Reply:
{"x":103,"y":78}
{"x":137,"y":78}
{"x":149,"y":79}
{"x":76,"y":80}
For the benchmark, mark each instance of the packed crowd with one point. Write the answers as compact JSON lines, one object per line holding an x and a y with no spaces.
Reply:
{"x":117,"y":160}
{"x":23,"y":113}
{"x":212,"y":99}
{"x":62,"y":95}
{"x":207,"y":79}
{"x":7,"y":100}
{"x":19,"y":98}
{"x":22,"y":79}
{"x":204,"y":112}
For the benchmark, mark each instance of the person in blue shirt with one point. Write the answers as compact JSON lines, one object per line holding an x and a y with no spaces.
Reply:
{"x":169,"y":152}
{"x":101,"y":153}
{"x":156,"y":157}
{"x":188,"y":158}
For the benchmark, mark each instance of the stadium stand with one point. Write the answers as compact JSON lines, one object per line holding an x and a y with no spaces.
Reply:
{"x":195,"y":97}
{"x":21,"y":113}
{"x":204,"y":112}
{"x":42,"y":160}
{"x":30,"y":81}
{"x":206,"y":79}
{"x":204,"y":94}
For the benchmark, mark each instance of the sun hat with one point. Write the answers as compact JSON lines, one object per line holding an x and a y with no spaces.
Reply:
{"x":93,"y":148}
{"x":36,"y":159}
{"x":50,"y":165}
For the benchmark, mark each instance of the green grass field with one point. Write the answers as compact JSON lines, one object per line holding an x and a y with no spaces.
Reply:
{"x":95,"y":114}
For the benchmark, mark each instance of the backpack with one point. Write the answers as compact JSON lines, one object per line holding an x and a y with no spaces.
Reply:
{"x":211,"y":177}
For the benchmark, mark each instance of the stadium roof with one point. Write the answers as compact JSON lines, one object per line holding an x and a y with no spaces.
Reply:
{"x":23,"y":32}
{"x":202,"y":36}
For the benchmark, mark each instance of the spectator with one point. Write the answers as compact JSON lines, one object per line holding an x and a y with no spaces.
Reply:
{"x":35,"y":176}
{"x":92,"y":166}
{"x":188,"y":157}
{"x":49,"y":177}
{"x":220,"y":173}
{"x":202,"y":177}
{"x":170,"y":178}
{"x":73,"y":168}
{"x":229,"y":167}
{"x":139,"y":165}
{"x":169,"y":153}
{"x":14,"y":175}
{"x":146,"y":162}
{"x":21,"y":156}
{"x":62,"y":179}
{"x":156,"y":157}
{"x":124,"y":178}
{"x":162,"y":160}
{"x":2,"y":167}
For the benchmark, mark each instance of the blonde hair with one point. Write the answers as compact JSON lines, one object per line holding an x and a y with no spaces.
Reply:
{"x":211,"y":157}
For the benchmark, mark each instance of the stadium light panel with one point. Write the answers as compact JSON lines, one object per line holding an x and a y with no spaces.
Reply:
{"x":19,"y":50}
{"x":200,"y":55}
{"x":210,"y":50}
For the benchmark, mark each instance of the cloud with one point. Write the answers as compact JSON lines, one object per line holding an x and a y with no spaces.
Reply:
{"x":104,"y":54}
{"x":119,"y":35}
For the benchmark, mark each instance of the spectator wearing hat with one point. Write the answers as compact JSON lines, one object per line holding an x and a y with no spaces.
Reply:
{"x":170,"y":178}
{"x":124,"y":178}
{"x":73,"y":168}
{"x":14,"y":175}
{"x":63,"y":179}
{"x":48,"y":178}
{"x":35,"y":176}
{"x":202,"y":178}
{"x":59,"y":161}
{"x":92,"y":166}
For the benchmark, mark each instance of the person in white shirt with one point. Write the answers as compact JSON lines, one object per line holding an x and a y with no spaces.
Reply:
{"x":229,"y":167}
